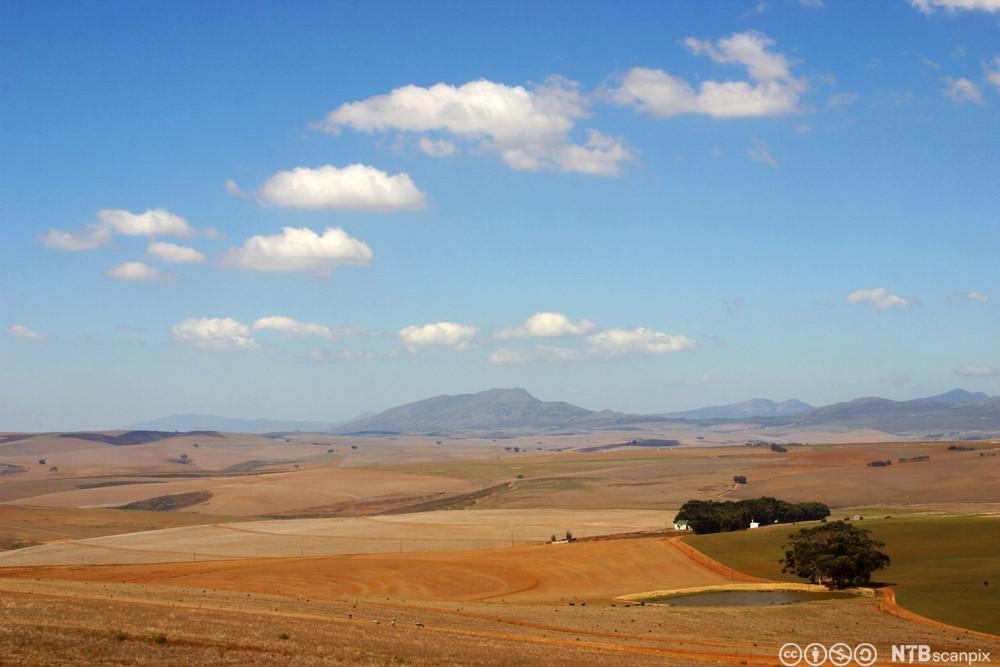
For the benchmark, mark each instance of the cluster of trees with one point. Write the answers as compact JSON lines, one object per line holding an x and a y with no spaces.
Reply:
{"x":835,"y":553}
{"x":712,"y":516}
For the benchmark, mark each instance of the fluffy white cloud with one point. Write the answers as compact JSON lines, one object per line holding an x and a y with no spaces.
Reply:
{"x":438,"y":334}
{"x":928,"y":6}
{"x":601,"y":345}
{"x":970,"y":296}
{"x":962,"y":90}
{"x":356,"y":186}
{"x":177,"y":254}
{"x":772,"y":91}
{"x":294,"y":327}
{"x":154,"y":222}
{"x":975,"y":370}
{"x":759,"y":151}
{"x":993,"y":72}
{"x":437,"y":147}
{"x":616,"y":342}
{"x":136,"y":271}
{"x":21,"y":331}
{"x":529,"y":128}
{"x":87,"y":238}
{"x":878,"y":298}
{"x":299,"y":249}
{"x":214,"y":333}
{"x":546,"y":325}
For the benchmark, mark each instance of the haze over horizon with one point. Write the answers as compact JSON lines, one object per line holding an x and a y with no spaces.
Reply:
{"x":309,"y":212}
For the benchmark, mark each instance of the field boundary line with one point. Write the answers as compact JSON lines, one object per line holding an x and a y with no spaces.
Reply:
{"x":887,"y":604}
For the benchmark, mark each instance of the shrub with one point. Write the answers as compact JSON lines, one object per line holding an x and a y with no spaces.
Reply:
{"x":160,"y":639}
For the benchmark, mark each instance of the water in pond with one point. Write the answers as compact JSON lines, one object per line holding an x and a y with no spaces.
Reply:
{"x":745,"y":598}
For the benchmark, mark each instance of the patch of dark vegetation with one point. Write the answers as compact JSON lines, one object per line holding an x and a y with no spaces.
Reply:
{"x":461,"y":501}
{"x":739,"y":479}
{"x":373,"y":433}
{"x":879,"y":464}
{"x":169,"y":503}
{"x":247,"y":466}
{"x":138,"y":437}
{"x":637,"y":442}
{"x":712,"y":516}
{"x":14,"y":438}
{"x":915,"y":459}
{"x":183,"y":459}
{"x":11,"y":469}
{"x":960,"y":448}
{"x":10,"y":546}
{"x":101,"y":485}
{"x":775,"y":447}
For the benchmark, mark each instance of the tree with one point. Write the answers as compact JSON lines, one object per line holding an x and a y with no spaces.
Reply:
{"x":835,"y":552}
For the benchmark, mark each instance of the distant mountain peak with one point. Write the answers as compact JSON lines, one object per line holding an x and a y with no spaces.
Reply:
{"x":754,"y":408}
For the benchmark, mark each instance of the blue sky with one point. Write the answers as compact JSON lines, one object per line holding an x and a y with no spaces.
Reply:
{"x":311,"y":210}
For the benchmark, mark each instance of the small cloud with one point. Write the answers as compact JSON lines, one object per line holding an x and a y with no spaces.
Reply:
{"x":299,"y":249}
{"x":233,"y":189}
{"x":438,"y":334}
{"x":136,"y":271}
{"x":759,"y":151}
{"x":214,"y":333}
{"x":977,"y":371}
{"x":969,"y":296}
{"x":602,"y":345}
{"x":176,"y":254}
{"x":293,"y":327}
{"x":436,"y":147}
{"x":153,"y":222}
{"x":993,"y":72}
{"x":929,"y":6}
{"x":878,"y":298}
{"x":546,"y":325}
{"x":354,"y":187}
{"x":962,"y":91}
{"x":21,"y":331}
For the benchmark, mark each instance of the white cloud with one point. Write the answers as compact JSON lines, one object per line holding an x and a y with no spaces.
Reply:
{"x":153,"y":222}
{"x":21,"y":331}
{"x":962,"y":90}
{"x":773,"y":89}
{"x":177,"y":254}
{"x":878,"y":298}
{"x":438,"y":334}
{"x":437,"y":147}
{"x":212,"y":333}
{"x":605,"y":344}
{"x":89,"y":237}
{"x":759,"y":151}
{"x":300,"y":249}
{"x":356,"y":187}
{"x":234,"y":189}
{"x":993,"y":72}
{"x":975,"y":370}
{"x":970,"y":296}
{"x":529,"y":128}
{"x":615,"y":342}
{"x":546,"y":325}
{"x":928,"y":6}
{"x":294,"y":327}
{"x":136,"y":271}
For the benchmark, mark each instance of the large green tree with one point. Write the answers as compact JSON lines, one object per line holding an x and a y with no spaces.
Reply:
{"x":835,"y":553}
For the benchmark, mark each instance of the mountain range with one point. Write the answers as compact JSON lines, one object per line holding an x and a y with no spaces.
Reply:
{"x":507,"y":410}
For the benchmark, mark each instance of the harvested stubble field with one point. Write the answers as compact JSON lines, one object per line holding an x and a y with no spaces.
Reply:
{"x":424,"y":531}
{"x":228,"y":614}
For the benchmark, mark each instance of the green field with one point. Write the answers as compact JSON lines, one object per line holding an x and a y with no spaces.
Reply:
{"x":943,"y":567}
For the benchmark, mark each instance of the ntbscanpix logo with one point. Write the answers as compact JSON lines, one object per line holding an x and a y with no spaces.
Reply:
{"x":841,"y":655}
{"x":815,"y":654}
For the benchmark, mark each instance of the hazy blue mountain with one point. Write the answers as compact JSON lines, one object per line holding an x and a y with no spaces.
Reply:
{"x":490,"y":410}
{"x":757,"y":407}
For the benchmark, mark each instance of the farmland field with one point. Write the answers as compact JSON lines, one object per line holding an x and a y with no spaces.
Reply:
{"x":943,"y":567}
